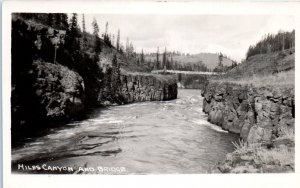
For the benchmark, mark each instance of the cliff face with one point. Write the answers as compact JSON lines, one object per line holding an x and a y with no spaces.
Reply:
{"x":257,"y":114}
{"x":122,"y":87}
{"x":132,"y":87}
{"x":59,"y":90}
{"x":137,"y":87}
{"x":263,"y":117}
{"x":48,"y":93}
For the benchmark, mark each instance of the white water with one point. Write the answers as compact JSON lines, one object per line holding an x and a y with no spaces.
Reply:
{"x":144,"y":138}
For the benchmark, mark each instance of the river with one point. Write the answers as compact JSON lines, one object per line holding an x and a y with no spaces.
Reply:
{"x":140,"y":138}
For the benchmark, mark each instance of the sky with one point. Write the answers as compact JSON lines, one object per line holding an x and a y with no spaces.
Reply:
{"x":230,"y":34}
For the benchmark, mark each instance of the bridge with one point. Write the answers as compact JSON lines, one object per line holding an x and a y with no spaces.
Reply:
{"x":184,"y":72}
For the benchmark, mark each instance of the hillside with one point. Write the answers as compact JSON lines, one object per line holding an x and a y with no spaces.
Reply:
{"x":210,"y":60}
{"x":275,"y":68}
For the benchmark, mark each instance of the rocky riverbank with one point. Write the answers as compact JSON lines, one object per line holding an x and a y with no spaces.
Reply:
{"x":47,"y":93}
{"x":263,"y":117}
{"x":148,"y":87}
{"x":126,"y":87}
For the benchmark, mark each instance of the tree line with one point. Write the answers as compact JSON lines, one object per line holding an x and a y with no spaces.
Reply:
{"x":272,"y":43}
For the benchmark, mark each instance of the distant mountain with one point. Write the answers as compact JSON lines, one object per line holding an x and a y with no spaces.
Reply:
{"x":211,"y":60}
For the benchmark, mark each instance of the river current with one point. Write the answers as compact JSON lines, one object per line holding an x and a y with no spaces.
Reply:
{"x":140,"y":138}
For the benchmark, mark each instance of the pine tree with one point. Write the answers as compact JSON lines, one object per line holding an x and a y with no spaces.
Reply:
{"x":165,"y":59}
{"x":131,"y":48}
{"x":122,"y":48}
{"x":157,"y":59}
{"x":50,"y":20}
{"x":72,"y":36}
{"x":220,"y":59}
{"x":83,"y":24}
{"x":127,"y":46}
{"x":106,"y":28}
{"x":64,"y":21}
{"x":96,"y":31}
{"x":113,"y":40}
{"x":118,"y":40}
{"x":142,"y":57}
{"x":283,"y":41}
{"x":57,"y":21}
{"x":85,"y":41}
{"x":96,"y":28}
{"x":106,"y":36}
{"x":115,"y":61}
{"x":97,"y":39}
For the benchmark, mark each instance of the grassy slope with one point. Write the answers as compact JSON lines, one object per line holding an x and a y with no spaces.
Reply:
{"x":273,"y":69}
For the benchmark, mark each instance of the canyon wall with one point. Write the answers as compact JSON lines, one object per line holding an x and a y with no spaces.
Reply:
{"x":264,"y":118}
{"x":147,"y":87}
{"x":259,"y":115}
{"x":121,"y":87}
{"x":53,"y":93}
{"x":47,"y":93}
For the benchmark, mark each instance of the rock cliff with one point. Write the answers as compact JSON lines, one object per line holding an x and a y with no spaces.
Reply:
{"x":257,"y":114}
{"x":147,"y":87}
{"x":139,"y":88}
{"x":263,"y":116}
{"x":121,"y":87}
{"x":48,"y":93}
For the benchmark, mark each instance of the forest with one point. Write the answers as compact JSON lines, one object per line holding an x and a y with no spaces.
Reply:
{"x":272,"y":43}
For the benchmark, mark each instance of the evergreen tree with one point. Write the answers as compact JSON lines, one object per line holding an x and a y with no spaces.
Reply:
{"x":157,"y":59}
{"x":97,"y":39}
{"x":106,"y":36}
{"x":85,"y":41}
{"x":142,"y":57}
{"x":127,"y":46}
{"x":220,"y":59}
{"x":96,"y":28}
{"x":106,"y":28}
{"x":83,"y":24}
{"x":283,"y":41}
{"x":64,"y":21}
{"x":57,"y":21}
{"x":115,"y":61}
{"x":165,"y":59}
{"x":131,"y":48}
{"x":113,"y":40}
{"x":118,"y":40}
{"x":72,"y":37}
{"x":50,"y":20}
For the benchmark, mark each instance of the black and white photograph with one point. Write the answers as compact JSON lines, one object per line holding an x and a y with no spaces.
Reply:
{"x":99,"y":93}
